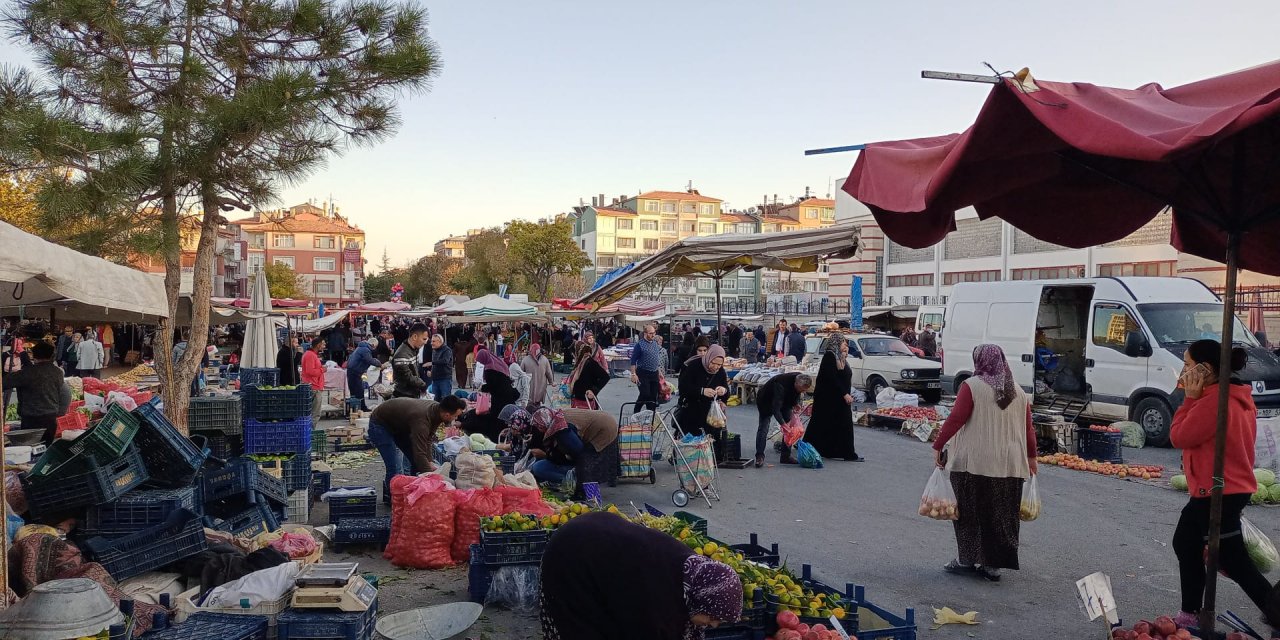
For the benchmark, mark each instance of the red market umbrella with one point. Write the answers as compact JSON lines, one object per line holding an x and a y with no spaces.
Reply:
{"x":1079,"y":165}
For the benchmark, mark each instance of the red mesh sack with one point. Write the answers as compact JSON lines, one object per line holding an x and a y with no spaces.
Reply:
{"x":526,"y":501}
{"x":470,"y":506}
{"x":421,"y":523}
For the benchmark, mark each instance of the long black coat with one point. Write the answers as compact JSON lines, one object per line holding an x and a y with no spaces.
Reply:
{"x":831,"y":426}
{"x":693,"y":406}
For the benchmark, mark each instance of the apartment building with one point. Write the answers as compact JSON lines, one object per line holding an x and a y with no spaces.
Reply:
{"x":324,"y":248}
{"x":230,"y":267}
{"x":455,"y":246}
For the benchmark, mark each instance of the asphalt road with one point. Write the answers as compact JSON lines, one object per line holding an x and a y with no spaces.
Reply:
{"x":857,"y":522}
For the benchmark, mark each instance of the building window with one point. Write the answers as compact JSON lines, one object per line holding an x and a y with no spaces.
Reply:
{"x":1166,"y":268}
{"x":324,"y":264}
{"x":668,"y":226}
{"x":811,"y":214}
{"x":746,"y":284}
{"x":828,"y":214}
{"x":256,"y":261}
{"x":626,"y":243}
{"x":746,"y":227}
{"x":730,"y":284}
{"x":688,"y":227}
{"x":668,"y":207}
{"x":1049,"y":273}
{"x":650,"y":205}
{"x":624,"y":224}
{"x":810,"y":285}
{"x":770,"y":228}
{"x":970,"y":276}
{"x":284,"y":260}
{"x":914,"y":280}
{"x":1111,"y":323}
{"x":324,"y":242}
{"x":789,"y":228}
{"x":282,"y":240}
{"x":707,"y":227}
{"x":823,"y":285}
{"x":651,"y":244}
{"x":323,"y":287}
{"x":689,"y":207}
{"x":605,"y":261}
{"x":648,"y":225}
{"x":258,"y":240}
{"x":704,"y":284}
{"x":708,"y":209}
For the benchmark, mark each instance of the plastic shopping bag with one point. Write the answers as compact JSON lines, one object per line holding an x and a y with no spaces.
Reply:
{"x":885,"y":397}
{"x":939,"y":501}
{"x":792,"y":431}
{"x":716,"y":417}
{"x":1260,"y":549}
{"x":484,"y":402}
{"x":808,"y":456}
{"x":1029,"y":507}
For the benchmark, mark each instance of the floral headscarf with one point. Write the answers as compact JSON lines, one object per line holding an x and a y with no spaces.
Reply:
{"x":516,"y":418}
{"x":991,"y":367}
{"x":712,"y":588}
{"x":549,"y":421}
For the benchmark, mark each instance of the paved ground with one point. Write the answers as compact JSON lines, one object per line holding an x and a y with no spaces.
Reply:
{"x":857,"y":522}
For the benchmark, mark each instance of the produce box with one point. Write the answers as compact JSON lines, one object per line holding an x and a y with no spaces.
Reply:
{"x":277,"y":403}
{"x":321,"y":624}
{"x":278,"y":436}
{"x":108,"y":439}
{"x":1100,"y":445}
{"x":215,"y":413}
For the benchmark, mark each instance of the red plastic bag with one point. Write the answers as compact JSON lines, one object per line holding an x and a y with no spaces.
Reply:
{"x":422,"y":511}
{"x":470,"y":506}
{"x":792,"y":431}
{"x":526,"y":501}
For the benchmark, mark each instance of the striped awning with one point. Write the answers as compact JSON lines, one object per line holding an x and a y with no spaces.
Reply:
{"x":635,"y":307}
{"x":489,"y":305}
{"x":719,"y":255}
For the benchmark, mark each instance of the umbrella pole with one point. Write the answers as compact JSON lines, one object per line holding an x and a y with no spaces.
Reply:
{"x":4,"y":517}
{"x":719,"y":318}
{"x":1207,"y":611}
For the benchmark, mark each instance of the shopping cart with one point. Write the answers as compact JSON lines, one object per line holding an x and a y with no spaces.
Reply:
{"x":635,"y":444}
{"x":806,"y":412}
{"x":694,"y":460}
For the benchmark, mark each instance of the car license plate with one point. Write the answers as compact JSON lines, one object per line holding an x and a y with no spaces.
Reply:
{"x":1268,"y":413}
{"x":935,"y":385}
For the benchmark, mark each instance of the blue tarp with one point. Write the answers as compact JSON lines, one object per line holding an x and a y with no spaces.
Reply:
{"x":612,"y":274}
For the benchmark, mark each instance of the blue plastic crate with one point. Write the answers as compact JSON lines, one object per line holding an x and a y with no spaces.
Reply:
{"x":254,"y":519}
{"x":138,"y":510}
{"x":512,"y":547}
{"x":276,"y":404}
{"x":215,"y":413}
{"x":215,"y":626}
{"x":874,"y":622}
{"x":845,"y":597}
{"x":240,"y":477}
{"x":320,"y":624}
{"x":321,"y":481}
{"x":352,"y":507}
{"x":1099,"y":445}
{"x":375,"y":531}
{"x":102,"y":484}
{"x":755,"y":552}
{"x":479,"y":577}
{"x":180,"y":536}
{"x":279,"y":436}
{"x":172,"y":460}
{"x":220,"y":445}
{"x":267,"y":377}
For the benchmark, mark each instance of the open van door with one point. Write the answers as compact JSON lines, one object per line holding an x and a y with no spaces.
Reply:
{"x":1012,"y":325}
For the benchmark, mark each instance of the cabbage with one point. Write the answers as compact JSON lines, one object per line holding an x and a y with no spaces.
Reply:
{"x":1178,"y":482}
{"x":1260,"y":549}
{"x":1273,"y":493}
{"x":1259,"y":496}
{"x":1132,"y":434}
{"x":1265,"y":477}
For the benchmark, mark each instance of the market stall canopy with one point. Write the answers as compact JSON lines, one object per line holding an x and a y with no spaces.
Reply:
{"x":34,"y":270}
{"x":612,"y":275}
{"x":383,"y":307}
{"x":489,"y":305}
{"x":566,"y":304}
{"x":276,"y":303}
{"x":1080,"y":165}
{"x":533,"y":317}
{"x":635,"y":307}
{"x":801,"y":250}
{"x":312,"y":325}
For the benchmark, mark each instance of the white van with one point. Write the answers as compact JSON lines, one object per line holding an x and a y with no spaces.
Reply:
{"x":1115,"y":345}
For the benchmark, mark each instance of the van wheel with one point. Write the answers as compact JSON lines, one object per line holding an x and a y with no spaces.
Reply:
{"x":931,"y":396}
{"x":874,"y":387}
{"x":1156,"y":418}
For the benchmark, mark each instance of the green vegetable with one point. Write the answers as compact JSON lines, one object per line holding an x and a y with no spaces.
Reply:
{"x":11,"y":412}
{"x":1260,"y":549}
{"x":1258,"y":496}
{"x":1273,"y":492}
{"x":1178,"y":482}
{"x":1132,"y":434}
{"x":1265,"y":477}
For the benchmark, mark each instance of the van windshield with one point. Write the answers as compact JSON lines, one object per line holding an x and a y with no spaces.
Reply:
{"x":1184,"y":323}
{"x":884,"y":347}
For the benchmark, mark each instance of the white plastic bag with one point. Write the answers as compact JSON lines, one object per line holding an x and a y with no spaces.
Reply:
{"x":1029,"y":506}
{"x":515,"y":587}
{"x":477,"y":376}
{"x":123,"y":399}
{"x":1266,"y":450}
{"x":1259,"y":546}
{"x":716,"y":418}
{"x":906,"y":400}
{"x":94,"y":402}
{"x":524,"y":463}
{"x":266,"y":585}
{"x":939,"y":501}
{"x":885,"y":397}
{"x":453,"y":446}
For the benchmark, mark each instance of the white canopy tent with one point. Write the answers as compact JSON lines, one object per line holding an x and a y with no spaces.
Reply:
{"x":489,"y":305}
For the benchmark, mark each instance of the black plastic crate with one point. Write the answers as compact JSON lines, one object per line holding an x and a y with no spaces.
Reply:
{"x":1099,"y":445}
{"x":260,"y":376}
{"x":321,"y":624}
{"x":257,"y":518}
{"x":215,"y":413}
{"x":501,"y":460}
{"x":180,"y":536}
{"x":297,"y":472}
{"x":172,"y":459}
{"x":697,"y":523}
{"x":102,"y":484}
{"x":479,"y":577}
{"x":874,"y":622}
{"x":277,"y":404}
{"x":755,"y":552}
{"x":278,"y":436}
{"x":733,"y":447}
{"x":375,"y":531}
{"x":512,"y":547}
{"x":138,"y":510}
{"x":220,"y":445}
{"x":321,"y":481}
{"x":215,"y":626}
{"x":352,"y":506}
{"x":319,"y":441}
{"x":240,"y":477}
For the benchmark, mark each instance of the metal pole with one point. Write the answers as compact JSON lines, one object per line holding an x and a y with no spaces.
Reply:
{"x":4,"y":513}
{"x":719,"y":318}
{"x":1207,"y":611}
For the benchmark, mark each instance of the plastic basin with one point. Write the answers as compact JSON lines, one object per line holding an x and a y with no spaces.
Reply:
{"x":60,"y":609}
{"x":429,"y":623}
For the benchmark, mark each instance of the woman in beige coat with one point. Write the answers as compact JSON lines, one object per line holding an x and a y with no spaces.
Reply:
{"x":539,"y":369}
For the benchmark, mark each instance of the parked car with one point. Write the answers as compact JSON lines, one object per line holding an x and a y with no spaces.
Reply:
{"x":880,"y":361}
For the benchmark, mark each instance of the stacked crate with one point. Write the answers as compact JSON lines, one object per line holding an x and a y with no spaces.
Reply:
{"x":219,"y":422}
{"x":356,"y":520}
{"x":277,"y":428}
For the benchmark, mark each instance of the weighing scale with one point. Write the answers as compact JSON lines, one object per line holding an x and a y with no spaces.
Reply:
{"x":333,"y":585}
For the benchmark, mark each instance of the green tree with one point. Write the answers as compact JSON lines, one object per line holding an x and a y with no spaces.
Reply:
{"x":429,"y":278}
{"x":541,"y":250}
{"x":377,"y":288}
{"x":283,"y":281}
{"x":488,"y":264}
{"x":169,"y":108}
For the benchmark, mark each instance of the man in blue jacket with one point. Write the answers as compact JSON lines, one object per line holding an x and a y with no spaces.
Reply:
{"x":359,"y":362}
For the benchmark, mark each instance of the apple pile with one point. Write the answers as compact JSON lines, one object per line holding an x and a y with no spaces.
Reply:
{"x":1102,"y":428}
{"x":1119,"y":470}
{"x":939,"y":509}
{"x":1162,"y":629}
{"x":790,"y":628}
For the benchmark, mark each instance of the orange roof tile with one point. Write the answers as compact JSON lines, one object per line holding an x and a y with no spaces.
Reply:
{"x":614,"y":211}
{"x":736,"y":217}
{"x":675,"y":195}
{"x":295,"y":225}
{"x":810,"y":202}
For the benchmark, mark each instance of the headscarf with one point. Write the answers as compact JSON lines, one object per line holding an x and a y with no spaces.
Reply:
{"x":535,"y":351}
{"x":834,"y":348}
{"x":492,"y":362}
{"x":550,"y":422}
{"x":713,"y":352}
{"x":991,"y":367}
{"x":712,"y":588}
{"x":516,"y":418}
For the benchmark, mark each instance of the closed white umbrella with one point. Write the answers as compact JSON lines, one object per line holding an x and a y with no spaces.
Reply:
{"x":259,"y":348}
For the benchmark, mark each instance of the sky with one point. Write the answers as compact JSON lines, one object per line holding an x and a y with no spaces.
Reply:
{"x":542,"y":104}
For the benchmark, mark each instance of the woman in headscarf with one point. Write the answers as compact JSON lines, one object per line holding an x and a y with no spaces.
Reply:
{"x":555,"y":443}
{"x":589,"y":377}
{"x":598,"y":567}
{"x":539,"y":368}
{"x":992,"y":452}
{"x":702,"y":382}
{"x":502,"y":392}
{"x":831,"y":426}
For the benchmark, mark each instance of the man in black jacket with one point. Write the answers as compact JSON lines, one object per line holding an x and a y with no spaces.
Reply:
{"x":287,"y":361}
{"x":776,"y":400}
{"x":795,"y":343}
{"x":404,"y":364}
{"x":43,"y":395}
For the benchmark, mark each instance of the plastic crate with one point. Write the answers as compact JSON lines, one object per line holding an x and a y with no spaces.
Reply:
{"x":1099,"y":445}
{"x":697,"y":523}
{"x":221,"y":445}
{"x":240,"y":477}
{"x":266,"y":377}
{"x":847,"y":598}
{"x":298,"y":511}
{"x":374,"y":531}
{"x":172,"y":460}
{"x":281,"y":436}
{"x":138,"y":510}
{"x":754,"y":552}
{"x":319,"y":624}
{"x":184,"y":607}
{"x":479,"y":577}
{"x":100,"y":485}
{"x":215,"y":413}
{"x":319,"y":442}
{"x":180,"y":536}
{"x":874,"y":622}
{"x":297,"y":472}
{"x":353,"y":506}
{"x":109,"y":438}
{"x":215,"y":626}
{"x":321,"y":481}
{"x":72,"y":421}
{"x":277,"y":404}
{"x":256,"y":519}
{"x":512,"y":547}
{"x":501,"y":460}
{"x":733,"y":447}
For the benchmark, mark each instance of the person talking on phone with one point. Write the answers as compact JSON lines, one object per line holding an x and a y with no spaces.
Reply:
{"x":1194,"y":426}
